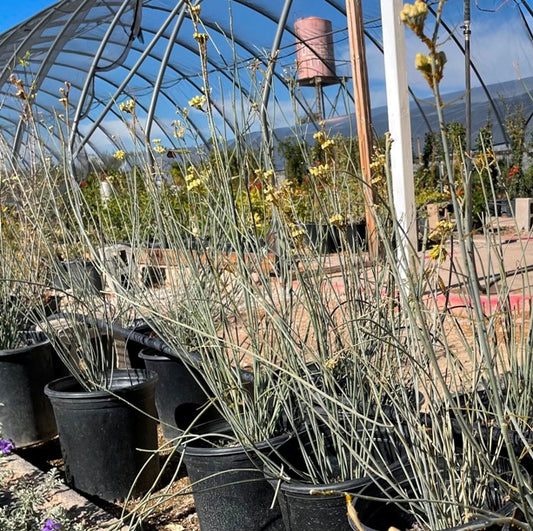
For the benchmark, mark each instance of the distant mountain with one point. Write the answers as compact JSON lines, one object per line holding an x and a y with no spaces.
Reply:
{"x":504,"y":96}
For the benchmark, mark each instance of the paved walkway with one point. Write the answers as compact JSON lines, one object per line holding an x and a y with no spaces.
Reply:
{"x":504,"y":261}
{"x":81,"y":510}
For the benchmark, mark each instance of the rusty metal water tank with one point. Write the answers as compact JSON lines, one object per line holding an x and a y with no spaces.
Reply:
{"x":315,"y":55}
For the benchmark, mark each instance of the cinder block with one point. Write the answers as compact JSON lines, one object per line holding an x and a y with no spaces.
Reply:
{"x":524,"y":213}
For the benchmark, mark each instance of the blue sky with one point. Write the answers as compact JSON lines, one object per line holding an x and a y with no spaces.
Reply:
{"x":15,"y":12}
{"x":501,"y":47}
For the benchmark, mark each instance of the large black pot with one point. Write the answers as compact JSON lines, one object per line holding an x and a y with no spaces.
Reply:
{"x":180,"y":393}
{"x":308,"y":507}
{"x":230,"y":489}
{"x":133,"y":348}
{"x":26,"y":414}
{"x":80,"y":275}
{"x":324,"y":238}
{"x":356,"y":235}
{"x":107,"y":437}
{"x":377,"y":509}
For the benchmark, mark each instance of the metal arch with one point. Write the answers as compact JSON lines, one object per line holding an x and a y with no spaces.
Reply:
{"x":135,"y":31}
{"x":139,"y":74}
{"x":245,"y":47}
{"x":41,"y":18}
{"x":113,"y":111}
{"x":114,"y":85}
{"x":8,"y":118}
{"x":132,"y":72}
{"x":258,"y":9}
{"x":162,"y":68}
{"x":89,"y":76}
{"x":270,"y":71}
{"x":45,"y":64}
{"x":5,"y":71}
{"x":137,"y":71}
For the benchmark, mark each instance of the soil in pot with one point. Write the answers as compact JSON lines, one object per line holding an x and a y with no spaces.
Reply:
{"x":26,"y":414}
{"x":108,"y":439}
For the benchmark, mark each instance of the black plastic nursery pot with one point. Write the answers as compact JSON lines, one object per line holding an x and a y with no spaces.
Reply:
{"x":180,"y":393}
{"x":377,"y":510}
{"x":108,"y":439}
{"x":26,"y":414}
{"x":356,"y":235}
{"x":80,"y":276}
{"x":229,"y":487}
{"x":134,"y":348}
{"x":308,"y":507}
{"x":324,"y":238}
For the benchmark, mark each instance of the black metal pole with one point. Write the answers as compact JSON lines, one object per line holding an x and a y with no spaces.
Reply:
{"x":468,"y":213}
{"x":468,"y":98}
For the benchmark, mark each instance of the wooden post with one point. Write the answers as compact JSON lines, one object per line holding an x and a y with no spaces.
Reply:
{"x":361,"y":93}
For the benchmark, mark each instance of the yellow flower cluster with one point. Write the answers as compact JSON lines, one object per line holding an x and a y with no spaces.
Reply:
{"x":19,"y":85}
{"x":321,"y":171}
{"x":195,"y":10}
{"x":194,"y":180}
{"x":377,"y":167}
{"x":439,"y":235}
{"x":323,"y":140}
{"x":423,"y":63}
{"x":198,"y":102}
{"x":264,"y":175}
{"x":332,"y":362}
{"x":442,"y":230}
{"x":127,"y":106}
{"x":320,"y":136}
{"x":64,"y":91}
{"x":414,"y":16}
{"x":272,"y":195}
{"x":255,"y":220}
{"x":297,"y":231}
{"x":337,"y":220}
{"x":119,"y":155}
{"x":157,"y":147}
{"x":179,"y":131}
{"x":278,"y":196}
{"x":201,"y":38}
{"x":485,"y":160}
{"x":438,"y":253}
{"x":24,"y":61}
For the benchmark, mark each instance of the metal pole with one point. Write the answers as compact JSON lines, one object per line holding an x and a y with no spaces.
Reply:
{"x":468,"y":117}
{"x":468,"y":214}
{"x":265,"y":97}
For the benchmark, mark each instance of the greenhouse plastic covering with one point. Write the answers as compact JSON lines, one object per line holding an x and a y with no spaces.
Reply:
{"x":111,"y":51}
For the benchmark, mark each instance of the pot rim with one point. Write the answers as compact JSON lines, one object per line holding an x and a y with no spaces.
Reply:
{"x":10,"y":352}
{"x":59,"y":388}
{"x":305,"y":488}
{"x":202,"y":451}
